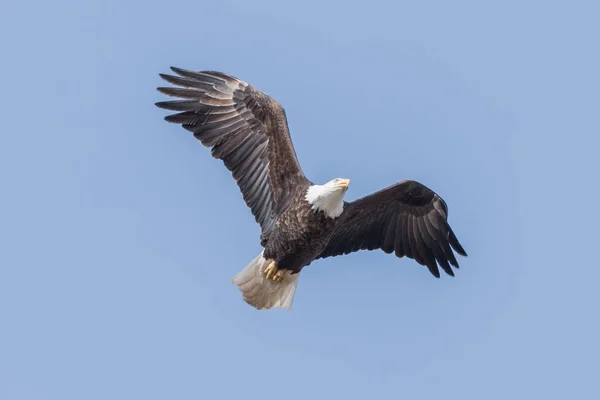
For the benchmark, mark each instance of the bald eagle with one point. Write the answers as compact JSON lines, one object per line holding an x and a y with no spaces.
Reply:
{"x":300,"y":221}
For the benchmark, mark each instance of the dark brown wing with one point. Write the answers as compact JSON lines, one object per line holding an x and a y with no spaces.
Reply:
{"x":407,"y":218}
{"x":246,"y":129}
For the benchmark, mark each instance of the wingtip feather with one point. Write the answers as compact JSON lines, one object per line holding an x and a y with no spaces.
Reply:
{"x":179,"y":71}
{"x":455,"y":243}
{"x":165,"y":105}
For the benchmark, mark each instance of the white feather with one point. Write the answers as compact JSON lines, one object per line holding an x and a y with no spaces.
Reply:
{"x":328,"y":198}
{"x":263,"y":293}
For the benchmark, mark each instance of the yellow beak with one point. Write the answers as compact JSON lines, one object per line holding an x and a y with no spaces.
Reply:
{"x":344,"y":183}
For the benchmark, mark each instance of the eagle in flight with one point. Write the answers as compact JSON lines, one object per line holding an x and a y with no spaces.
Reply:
{"x":300,"y":221}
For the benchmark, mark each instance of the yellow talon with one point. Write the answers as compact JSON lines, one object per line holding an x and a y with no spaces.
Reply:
{"x":280,"y":275}
{"x":271,"y":270}
{"x":274,"y":273}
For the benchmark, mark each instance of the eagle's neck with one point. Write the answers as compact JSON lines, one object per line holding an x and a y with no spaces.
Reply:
{"x":325,"y":198}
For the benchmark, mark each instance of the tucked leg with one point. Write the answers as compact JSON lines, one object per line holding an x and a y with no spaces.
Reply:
{"x":281,"y":274}
{"x":271,"y":270}
{"x":274,"y":273}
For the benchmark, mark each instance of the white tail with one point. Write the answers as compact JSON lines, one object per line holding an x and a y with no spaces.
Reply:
{"x":263,"y":293}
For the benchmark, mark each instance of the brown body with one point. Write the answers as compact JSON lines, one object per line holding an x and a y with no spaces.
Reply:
{"x":300,"y":234}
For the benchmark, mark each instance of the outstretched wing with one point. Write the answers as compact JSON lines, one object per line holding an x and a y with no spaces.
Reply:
{"x":407,"y":218}
{"x":246,"y":129}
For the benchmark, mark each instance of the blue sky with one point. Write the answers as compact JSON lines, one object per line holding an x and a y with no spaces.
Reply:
{"x":120,"y":234}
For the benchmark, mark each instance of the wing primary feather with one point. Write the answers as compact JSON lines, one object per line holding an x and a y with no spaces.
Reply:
{"x":437,"y":247}
{"x":433,"y":252}
{"x":179,"y":105}
{"x":201,"y":76}
{"x":187,"y":82}
{"x":186,"y":117}
{"x":441,"y":238}
{"x":455,"y":243}
{"x":181,"y":92}
{"x":451,"y":257}
{"x":422,"y":250}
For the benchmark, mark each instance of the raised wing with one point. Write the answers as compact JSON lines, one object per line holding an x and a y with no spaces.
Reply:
{"x":407,"y":218}
{"x":246,"y":129}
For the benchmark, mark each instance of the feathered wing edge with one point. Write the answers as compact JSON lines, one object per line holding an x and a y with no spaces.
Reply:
{"x":245,"y":128}
{"x":407,"y":219}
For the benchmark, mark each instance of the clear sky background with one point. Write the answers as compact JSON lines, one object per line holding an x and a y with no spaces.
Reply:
{"x":119,"y":234}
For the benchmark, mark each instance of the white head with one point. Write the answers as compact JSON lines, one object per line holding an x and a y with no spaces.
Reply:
{"x":329,"y":197}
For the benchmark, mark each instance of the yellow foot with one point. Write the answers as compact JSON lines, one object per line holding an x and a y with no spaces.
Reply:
{"x":280,"y":275}
{"x":271,"y":270}
{"x":274,"y":273}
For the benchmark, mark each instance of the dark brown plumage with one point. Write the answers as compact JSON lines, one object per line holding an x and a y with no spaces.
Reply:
{"x":407,"y":218}
{"x":248,"y":130}
{"x":300,"y":235}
